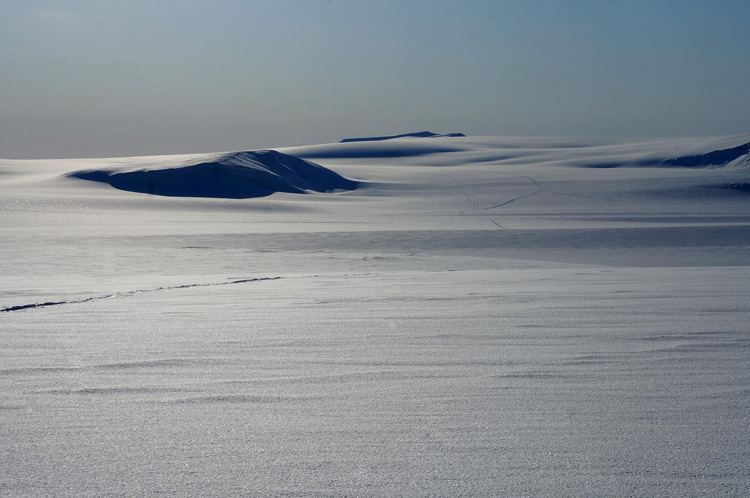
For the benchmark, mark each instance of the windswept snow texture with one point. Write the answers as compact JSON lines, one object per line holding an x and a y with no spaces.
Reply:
{"x":419,"y":134}
{"x":238,"y":175}
{"x":484,"y":316}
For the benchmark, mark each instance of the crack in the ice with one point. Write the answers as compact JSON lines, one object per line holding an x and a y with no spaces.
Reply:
{"x":22,"y":307}
{"x":498,"y":225}
{"x":476,"y":210}
{"x":541,"y":189}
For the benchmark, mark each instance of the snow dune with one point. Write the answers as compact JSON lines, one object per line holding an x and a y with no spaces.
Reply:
{"x":237,"y":175}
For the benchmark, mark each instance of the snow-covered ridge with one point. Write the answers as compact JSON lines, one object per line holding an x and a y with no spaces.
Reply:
{"x":710,"y":155}
{"x":707,"y":152}
{"x":722,"y":157}
{"x":236,"y":175}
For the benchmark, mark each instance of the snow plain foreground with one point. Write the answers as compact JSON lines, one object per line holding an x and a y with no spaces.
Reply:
{"x":480,"y":316}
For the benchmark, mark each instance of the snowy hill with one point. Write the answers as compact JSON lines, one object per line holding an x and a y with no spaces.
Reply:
{"x":236,"y":175}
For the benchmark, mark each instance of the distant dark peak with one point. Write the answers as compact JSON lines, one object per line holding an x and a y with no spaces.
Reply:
{"x":419,"y":134}
{"x":715,"y":158}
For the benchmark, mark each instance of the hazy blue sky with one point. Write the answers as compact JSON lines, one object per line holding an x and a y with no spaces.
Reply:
{"x":95,"y":77}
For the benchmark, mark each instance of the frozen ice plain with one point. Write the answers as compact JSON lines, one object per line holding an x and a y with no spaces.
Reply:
{"x":480,"y":316}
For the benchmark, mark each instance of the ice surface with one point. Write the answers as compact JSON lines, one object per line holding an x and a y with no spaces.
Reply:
{"x":481,"y":316}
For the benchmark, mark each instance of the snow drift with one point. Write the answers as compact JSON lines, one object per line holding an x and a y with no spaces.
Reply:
{"x":238,"y":175}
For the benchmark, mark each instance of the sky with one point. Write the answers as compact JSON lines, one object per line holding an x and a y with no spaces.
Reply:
{"x":97,"y":78}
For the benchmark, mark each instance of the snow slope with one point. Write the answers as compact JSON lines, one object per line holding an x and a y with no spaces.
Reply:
{"x":480,"y":316}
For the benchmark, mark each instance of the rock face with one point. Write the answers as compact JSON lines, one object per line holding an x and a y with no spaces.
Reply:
{"x":419,"y":134}
{"x":238,"y":175}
